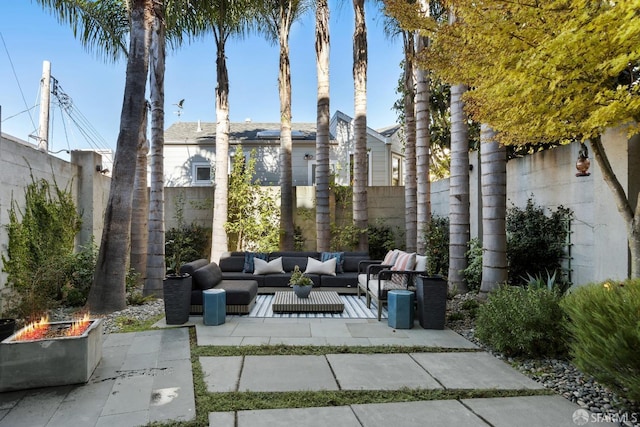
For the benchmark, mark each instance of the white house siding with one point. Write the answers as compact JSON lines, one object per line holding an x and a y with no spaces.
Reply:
{"x":179,"y":159}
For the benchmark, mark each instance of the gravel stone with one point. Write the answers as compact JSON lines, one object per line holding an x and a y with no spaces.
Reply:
{"x":559,"y":375}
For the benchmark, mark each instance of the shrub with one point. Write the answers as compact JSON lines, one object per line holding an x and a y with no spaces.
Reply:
{"x":605,"y":330}
{"x":473,"y":273}
{"x":381,"y":240}
{"x":521,"y":321}
{"x":437,"y":238}
{"x":41,"y":239}
{"x":535,"y":242}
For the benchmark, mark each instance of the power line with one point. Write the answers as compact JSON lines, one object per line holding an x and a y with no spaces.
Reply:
{"x":13,"y":69}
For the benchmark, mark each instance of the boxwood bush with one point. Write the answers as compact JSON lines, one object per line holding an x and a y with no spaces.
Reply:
{"x":523,"y":321}
{"x":605,"y":330}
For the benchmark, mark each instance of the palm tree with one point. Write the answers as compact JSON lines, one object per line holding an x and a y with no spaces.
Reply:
{"x":224,"y":18}
{"x":360,"y":166}
{"x":277,"y":16}
{"x":155,"y":261}
{"x":459,"y":218}
{"x":423,"y":146}
{"x":108,"y":290}
{"x":140,"y":215}
{"x":323,"y":229}
{"x":410,"y":182}
{"x":493,"y":158}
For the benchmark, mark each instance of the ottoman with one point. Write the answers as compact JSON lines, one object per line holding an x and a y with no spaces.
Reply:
{"x":214,"y":307}
{"x":400,"y":308}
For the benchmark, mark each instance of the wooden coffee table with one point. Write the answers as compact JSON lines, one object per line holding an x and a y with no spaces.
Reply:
{"x":318,"y":302}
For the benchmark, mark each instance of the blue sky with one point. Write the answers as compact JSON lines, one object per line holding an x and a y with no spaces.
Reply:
{"x":30,"y":36}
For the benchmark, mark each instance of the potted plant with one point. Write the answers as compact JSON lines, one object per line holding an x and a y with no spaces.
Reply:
{"x":300,"y":283}
{"x":176,"y":286}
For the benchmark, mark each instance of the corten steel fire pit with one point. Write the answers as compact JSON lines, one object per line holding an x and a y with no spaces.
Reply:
{"x":52,"y":354}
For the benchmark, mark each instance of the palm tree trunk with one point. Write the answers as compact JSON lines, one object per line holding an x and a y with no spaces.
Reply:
{"x":360,"y":167}
{"x":410,"y":183}
{"x":155,"y":262}
{"x":493,"y":157}
{"x":140,"y":214}
{"x":459,"y":218}
{"x":107,"y":292}
{"x":219,"y":242}
{"x":323,"y":218}
{"x":286,"y":180}
{"x":423,"y":148}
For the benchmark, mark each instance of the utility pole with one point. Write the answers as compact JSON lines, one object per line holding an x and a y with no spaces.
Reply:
{"x":45,"y":93}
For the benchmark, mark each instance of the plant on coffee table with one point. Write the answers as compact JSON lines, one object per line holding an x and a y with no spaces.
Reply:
{"x":300,"y":283}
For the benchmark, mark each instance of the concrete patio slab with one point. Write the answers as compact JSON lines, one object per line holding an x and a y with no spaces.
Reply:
{"x":273,"y":329}
{"x":134,"y":384}
{"x":286,"y":373}
{"x":539,"y":411}
{"x":341,"y":416}
{"x":411,"y":414}
{"x":379,"y":372}
{"x":221,"y":373}
{"x":222,"y":419}
{"x":473,"y":370}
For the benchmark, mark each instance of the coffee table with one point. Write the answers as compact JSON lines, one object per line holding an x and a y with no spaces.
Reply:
{"x":318,"y":302}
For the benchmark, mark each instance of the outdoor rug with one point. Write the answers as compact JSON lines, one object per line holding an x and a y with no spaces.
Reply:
{"x":354,"y":308}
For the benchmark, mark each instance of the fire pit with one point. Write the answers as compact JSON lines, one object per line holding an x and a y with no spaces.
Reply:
{"x":46,"y":354}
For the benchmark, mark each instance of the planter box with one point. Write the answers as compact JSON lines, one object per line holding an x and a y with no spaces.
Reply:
{"x":50,"y":361}
{"x":431,"y":292}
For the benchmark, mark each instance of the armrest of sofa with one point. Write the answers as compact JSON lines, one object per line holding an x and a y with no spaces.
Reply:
{"x":387,"y":274}
{"x":364,"y":264}
{"x":207,"y":277}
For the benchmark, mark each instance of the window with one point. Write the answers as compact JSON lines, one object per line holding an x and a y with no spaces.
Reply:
{"x":396,"y":171}
{"x":201,"y":173}
{"x":312,"y":171}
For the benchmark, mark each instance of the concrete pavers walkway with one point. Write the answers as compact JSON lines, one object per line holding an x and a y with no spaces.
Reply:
{"x":146,"y":377}
{"x":142,"y":377}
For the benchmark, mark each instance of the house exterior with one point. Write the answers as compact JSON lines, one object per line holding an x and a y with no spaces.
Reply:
{"x":189,"y":152}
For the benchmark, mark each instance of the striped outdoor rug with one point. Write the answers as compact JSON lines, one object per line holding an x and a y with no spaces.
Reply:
{"x":354,"y":308}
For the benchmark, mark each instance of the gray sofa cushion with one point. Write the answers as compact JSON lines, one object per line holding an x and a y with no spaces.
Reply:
{"x":352,"y":259}
{"x":207,"y":277}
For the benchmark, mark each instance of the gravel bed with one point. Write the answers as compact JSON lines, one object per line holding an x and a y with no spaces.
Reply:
{"x":559,"y":375}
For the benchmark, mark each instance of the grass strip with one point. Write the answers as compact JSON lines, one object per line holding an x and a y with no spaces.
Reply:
{"x":308,"y":350}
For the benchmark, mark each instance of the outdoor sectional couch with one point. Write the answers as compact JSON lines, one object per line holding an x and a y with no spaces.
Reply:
{"x":345,"y":281}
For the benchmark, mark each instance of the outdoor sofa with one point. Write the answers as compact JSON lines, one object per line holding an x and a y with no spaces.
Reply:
{"x":342,"y":278}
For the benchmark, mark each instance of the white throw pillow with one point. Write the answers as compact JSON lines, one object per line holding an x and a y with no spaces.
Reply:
{"x":421,"y":262}
{"x":261,"y":266}
{"x":318,"y":267}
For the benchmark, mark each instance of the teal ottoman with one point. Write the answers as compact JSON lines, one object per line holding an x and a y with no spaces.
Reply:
{"x":400,"y":308}
{"x":214,"y":303}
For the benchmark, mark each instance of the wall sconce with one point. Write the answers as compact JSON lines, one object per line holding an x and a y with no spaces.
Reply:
{"x":308,"y":156}
{"x":583,"y":162}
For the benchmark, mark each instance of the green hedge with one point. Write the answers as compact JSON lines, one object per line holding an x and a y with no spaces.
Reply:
{"x":521,"y":321}
{"x":605,"y":329}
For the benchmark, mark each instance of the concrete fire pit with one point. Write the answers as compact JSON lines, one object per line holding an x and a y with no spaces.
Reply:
{"x":50,"y":361}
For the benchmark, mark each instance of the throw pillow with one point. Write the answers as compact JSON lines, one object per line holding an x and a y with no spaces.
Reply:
{"x":248,"y":260}
{"x":421,"y":263}
{"x":339,"y":256}
{"x":404,"y":262}
{"x":390,"y":257}
{"x":261,"y":266}
{"x":318,"y":267}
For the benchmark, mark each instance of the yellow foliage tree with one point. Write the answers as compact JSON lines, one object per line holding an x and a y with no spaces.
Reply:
{"x":544,"y":71}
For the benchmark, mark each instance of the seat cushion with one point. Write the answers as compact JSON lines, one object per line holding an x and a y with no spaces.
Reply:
{"x":239,"y":292}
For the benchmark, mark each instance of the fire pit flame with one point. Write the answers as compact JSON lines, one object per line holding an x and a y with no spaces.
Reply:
{"x":79,"y":325}
{"x":43,"y":329}
{"x":34,"y":330}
